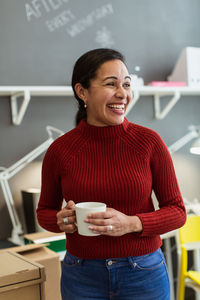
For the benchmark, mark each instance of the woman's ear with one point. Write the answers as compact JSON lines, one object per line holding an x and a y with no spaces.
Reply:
{"x":80,"y":91}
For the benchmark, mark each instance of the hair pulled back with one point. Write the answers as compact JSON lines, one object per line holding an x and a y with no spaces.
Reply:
{"x":86,"y":68}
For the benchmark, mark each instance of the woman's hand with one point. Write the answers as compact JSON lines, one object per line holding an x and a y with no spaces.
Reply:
{"x":67,"y":213}
{"x":113,"y":223}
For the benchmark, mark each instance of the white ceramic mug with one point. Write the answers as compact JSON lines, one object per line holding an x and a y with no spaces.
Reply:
{"x":83,"y":209}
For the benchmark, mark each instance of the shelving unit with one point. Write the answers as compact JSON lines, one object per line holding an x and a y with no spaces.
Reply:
{"x":158,"y":93}
{"x":25,"y":92}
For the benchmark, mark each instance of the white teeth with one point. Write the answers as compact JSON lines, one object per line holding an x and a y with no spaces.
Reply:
{"x":116,"y":106}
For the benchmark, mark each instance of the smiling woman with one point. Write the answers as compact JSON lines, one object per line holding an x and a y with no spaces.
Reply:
{"x":108,"y":159}
{"x":92,"y":74}
{"x":108,"y":95}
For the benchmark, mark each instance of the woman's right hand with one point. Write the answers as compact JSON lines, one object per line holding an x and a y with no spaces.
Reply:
{"x":69,"y":212}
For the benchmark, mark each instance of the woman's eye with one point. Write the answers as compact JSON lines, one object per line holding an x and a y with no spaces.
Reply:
{"x":110,"y":83}
{"x":127,"y":85}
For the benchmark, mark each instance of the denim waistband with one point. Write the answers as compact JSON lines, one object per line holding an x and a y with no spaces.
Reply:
{"x":111,"y":262}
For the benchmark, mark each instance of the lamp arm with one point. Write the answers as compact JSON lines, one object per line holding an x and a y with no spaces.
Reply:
{"x":183,"y":141}
{"x":17,"y":227}
{"x":51,"y":129}
{"x":20,"y":164}
{"x":7,"y":173}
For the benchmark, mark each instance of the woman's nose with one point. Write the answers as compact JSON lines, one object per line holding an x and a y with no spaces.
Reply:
{"x":121,"y":92}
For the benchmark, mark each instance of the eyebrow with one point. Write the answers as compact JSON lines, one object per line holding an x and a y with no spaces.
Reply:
{"x":114,"y":77}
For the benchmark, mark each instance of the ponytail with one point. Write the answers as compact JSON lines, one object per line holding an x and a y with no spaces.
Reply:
{"x":81,"y":113}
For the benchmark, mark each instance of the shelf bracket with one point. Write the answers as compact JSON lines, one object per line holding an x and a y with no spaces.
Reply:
{"x":161,"y":114}
{"x":18,"y":114}
{"x":136,"y":96}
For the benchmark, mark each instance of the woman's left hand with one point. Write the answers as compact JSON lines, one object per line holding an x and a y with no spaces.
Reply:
{"x":113,"y":222}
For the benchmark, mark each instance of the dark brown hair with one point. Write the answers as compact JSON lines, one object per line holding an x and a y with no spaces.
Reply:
{"x":86,"y":68}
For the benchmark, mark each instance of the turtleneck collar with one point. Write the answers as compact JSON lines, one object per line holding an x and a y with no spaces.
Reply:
{"x":102,"y":132}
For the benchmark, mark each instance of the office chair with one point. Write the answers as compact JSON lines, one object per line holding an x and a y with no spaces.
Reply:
{"x":189,"y":239}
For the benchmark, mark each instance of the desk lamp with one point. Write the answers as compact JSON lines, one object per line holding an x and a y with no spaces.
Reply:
{"x":194,"y":133}
{"x":7,"y":173}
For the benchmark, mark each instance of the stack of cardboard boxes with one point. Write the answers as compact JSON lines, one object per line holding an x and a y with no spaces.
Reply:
{"x":30,"y":272}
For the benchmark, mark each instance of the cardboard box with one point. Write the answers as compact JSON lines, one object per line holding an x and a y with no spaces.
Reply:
{"x":20,"y":278}
{"x":55,"y":241}
{"x":51,"y":262}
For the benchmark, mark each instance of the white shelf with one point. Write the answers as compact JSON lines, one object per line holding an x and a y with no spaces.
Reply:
{"x":37,"y":90}
{"x":158,"y":92}
{"x":15,"y":92}
{"x":151,"y":90}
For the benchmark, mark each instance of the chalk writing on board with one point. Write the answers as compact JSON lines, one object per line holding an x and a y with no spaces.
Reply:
{"x":37,"y":8}
{"x":60,"y":20}
{"x":90,"y":19}
{"x":104,"y":37}
{"x":65,"y":18}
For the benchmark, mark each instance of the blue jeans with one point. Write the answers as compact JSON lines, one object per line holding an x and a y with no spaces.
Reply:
{"x":133,"y":278}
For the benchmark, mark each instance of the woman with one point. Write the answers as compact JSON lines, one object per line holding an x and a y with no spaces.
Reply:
{"x":108,"y":159}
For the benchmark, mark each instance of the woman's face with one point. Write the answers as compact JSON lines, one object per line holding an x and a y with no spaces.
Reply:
{"x":108,"y":95}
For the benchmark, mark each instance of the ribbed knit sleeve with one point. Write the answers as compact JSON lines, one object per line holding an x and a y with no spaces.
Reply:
{"x":171,"y":213}
{"x":51,"y":193}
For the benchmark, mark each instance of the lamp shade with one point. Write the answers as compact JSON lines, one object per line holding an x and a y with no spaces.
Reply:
{"x":195,"y":148}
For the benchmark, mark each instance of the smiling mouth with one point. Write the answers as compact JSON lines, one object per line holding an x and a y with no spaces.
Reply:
{"x":116,"y":106}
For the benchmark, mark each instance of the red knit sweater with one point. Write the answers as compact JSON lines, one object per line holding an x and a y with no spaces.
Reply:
{"x":119,"y":165}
